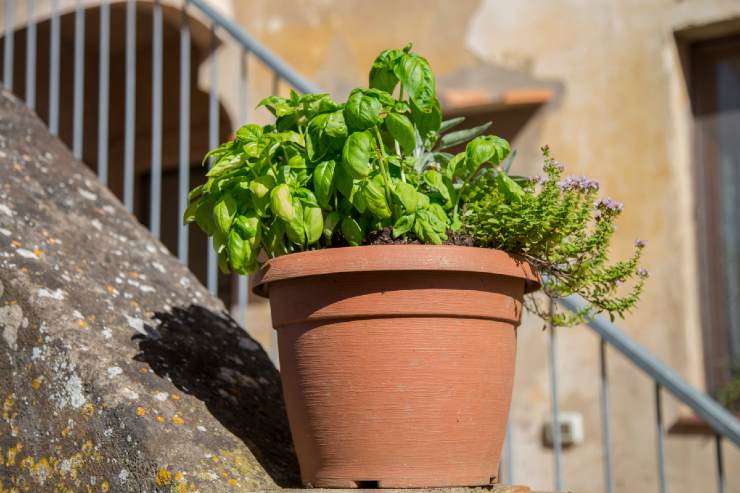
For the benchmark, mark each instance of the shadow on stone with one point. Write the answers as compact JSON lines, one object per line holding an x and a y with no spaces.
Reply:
{"x":207,"y":355}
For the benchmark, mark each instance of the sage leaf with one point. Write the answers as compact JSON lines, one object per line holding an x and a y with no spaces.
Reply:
{"x":453,"y":139}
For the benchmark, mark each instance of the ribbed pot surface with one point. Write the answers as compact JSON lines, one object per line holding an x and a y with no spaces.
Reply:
{"x":397,"y":361}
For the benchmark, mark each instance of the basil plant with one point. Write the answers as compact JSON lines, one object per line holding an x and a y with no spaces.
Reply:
{"x":329,"y":174}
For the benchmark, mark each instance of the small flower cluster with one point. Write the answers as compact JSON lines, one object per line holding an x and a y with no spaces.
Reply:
{"x":581,"y":183}
{"x":563,"y":229}
{"x":609,"y":205}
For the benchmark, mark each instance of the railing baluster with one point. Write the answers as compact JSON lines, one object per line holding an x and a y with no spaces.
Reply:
{"x":659,"y":435}
{"x":720,"y":464}
{"x":556,"y":442}
{"x":54,"y":41}
{"x":31,"y":55}
{"x":130,"y":111}
{"x":155,"y":183}
{"x":79,"y":81}
{"x":605,"y":434}
{"x":212,"y":275}
{"x":509,"y":452}
{"x":184,"y":170}
{"x":242,"y":294}
{"x":8,"y":47}
{"x":103,"y":92}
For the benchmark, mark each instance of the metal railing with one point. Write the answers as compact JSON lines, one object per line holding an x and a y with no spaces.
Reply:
{"x":723,"y":424}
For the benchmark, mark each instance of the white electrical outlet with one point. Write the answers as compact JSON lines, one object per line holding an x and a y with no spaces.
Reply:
{"x":571,"y":429}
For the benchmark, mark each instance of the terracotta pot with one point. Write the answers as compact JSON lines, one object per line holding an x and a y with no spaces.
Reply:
{"x":397,"y":361}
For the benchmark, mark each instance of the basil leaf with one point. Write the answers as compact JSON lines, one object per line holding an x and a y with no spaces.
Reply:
{"x":295,"y":228}
{"x":403,"y":225}
{"x":313,"y":223}
{"x":238,"y":248}
{"x":426,"y":122}
{"x":484,"y":149}
{"x":356,"y":154}
{"x":362,"y":111}
{"x":401,"y":129}
{"x":261,"y":185}
{"x":407,"y":195}
{"x":352,"y":231}
{"x":323,"y":182}
{"x":381,"y":74}
{"x":418,"y":81}
{"x":434,"y":179}
{"x":330,"y":223}
{"x":247,"y":226}
{"x":281,"y":202}
{"x":374,"y":195}
{"x":224,"y":212}
{"x":249,"y":133}
{"x":509,"y":188}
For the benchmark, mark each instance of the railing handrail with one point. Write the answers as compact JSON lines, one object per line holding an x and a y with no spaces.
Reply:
{"x":704,"y":406}
{"x":277,"y":64}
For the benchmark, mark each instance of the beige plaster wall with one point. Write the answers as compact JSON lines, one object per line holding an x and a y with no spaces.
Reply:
{"x":623,"y":118}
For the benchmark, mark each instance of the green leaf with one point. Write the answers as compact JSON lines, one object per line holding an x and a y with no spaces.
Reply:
{"x":362,"y":111}
{"x":281,"y":202}
{"x":509,"y":188}
{"x":335,"y":127}
{"x":426,"y":122}
{"x":239,"y":252}
{"x":450,"y":124}
{"x":417,"y":80}
{"x":247,"y":226}
{"x":224,"y":212}
{"x":381,"y":73}
{"x":189,"y":215}
{"x":424,"y":230}
{"x":488,"y":148}
{"x":434,"y":179}
{"x":275,"y":238}
{"x":225,"y":164}
{"x":261,"y":185}
{"x":453,"y":167}
{"x":343,"y":181}
{"x":249,"y":133}
{"x":356,"y":154}
{"x":506,"y":164}
{"x":461,"y":136}
{"x":313,"y":223}
{"x":330,"y":223}
{"x":408,"y":196}
{"x":403,"y":225}
{"x":324,"y":133}
{"x":374,"y":195}
{"x":323,"y":182}
{"x":295,"y":228}
{"x":401,"y":129}
{"x":352,"y":231}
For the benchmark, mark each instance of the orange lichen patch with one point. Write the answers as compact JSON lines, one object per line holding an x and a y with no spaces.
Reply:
{"x":215,"y":458}
{"x":160,"y":419}
{"x":105,"y":486}
{"x":111,"y":289}
{"x":16,"y":243}
{"x":140,"y":411}
{"x":12,"y":453}
{"x":232,"y":482}
{"x":143,"y":370}
{"x":134,"y":274}
{"x":82,"y":324}
{"x":163,"y":477}
{"x":8,"y":407}
{"x":38,"y":252}
{"x":36,"y":383}
{"x":88,"y":409}
{"x":174,"y":397}
{"x":87,"y":447}
{"x":66,"y":431}
{"x":177,"y":420}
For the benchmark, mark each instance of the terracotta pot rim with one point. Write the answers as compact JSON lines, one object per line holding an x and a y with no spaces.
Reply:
{"x":385,"y":258}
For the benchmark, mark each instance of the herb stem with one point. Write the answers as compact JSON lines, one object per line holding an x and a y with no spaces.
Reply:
{"x":383,"y":166}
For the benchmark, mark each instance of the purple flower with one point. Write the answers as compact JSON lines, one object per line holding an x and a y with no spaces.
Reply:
{"x":609,"y":205}
{"x":640,"y":243}
{"x":642,"y":272}
{"x":578,"y":183}
{"x":554,"y":165}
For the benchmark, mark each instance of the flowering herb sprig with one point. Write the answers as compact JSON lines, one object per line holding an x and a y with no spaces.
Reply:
{"x":560,"y":226}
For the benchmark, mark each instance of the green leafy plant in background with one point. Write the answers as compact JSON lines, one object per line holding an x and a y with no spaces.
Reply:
{"x":330,"y":174}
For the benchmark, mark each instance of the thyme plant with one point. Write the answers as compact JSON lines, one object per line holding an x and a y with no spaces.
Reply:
{"x":330,"y":174}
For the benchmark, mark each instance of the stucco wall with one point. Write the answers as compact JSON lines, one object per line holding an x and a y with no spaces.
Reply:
{"x":623,"y":117}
